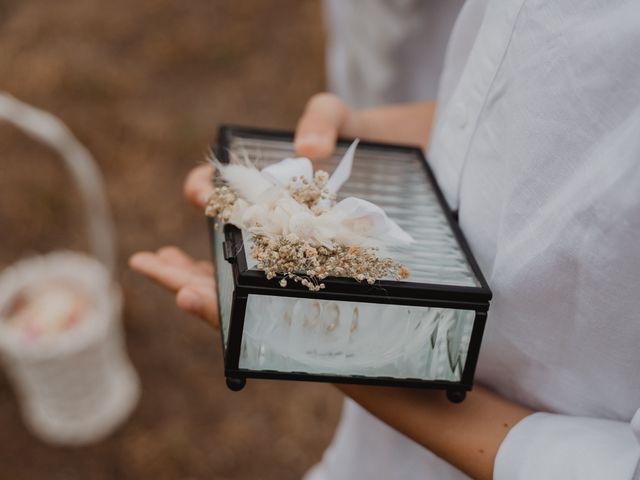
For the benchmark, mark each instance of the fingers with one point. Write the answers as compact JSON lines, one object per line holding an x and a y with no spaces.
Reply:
{"x":319,"y":125}
{"x":174,"y":256}
{"x":172,"y":268}
{"x":193,"y":281}
{"x":200,"y":300}
{"x":152,"y":266}
{"x":166,"y":272}
{"x":205,"y":267}
{"x":198,"y":185}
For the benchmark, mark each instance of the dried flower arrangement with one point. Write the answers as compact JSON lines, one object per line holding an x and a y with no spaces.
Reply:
{"x":297,"y":228}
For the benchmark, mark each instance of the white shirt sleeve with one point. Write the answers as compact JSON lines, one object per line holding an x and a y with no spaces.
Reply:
{"x":552,"y":446}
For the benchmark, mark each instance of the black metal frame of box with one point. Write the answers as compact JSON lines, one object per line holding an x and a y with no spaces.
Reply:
{"x":406,"y":293}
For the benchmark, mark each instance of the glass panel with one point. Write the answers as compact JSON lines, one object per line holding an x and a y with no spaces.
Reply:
{"x":224,"y":279}
{"x":347,"y":338}
{"x":396,"y":181}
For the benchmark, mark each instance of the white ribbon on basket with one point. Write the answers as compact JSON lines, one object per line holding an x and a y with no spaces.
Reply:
{"x":266,"y":207}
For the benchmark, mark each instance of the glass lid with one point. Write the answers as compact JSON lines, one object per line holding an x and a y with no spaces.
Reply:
{"x":396,"y":181}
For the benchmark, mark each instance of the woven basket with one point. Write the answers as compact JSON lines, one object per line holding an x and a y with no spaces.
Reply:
{"x":76,"y":386}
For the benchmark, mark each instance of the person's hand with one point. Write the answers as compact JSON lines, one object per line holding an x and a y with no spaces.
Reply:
{"x":323,"y":119}
{"x":192,"y":281}
{"x":326,"y":117}
{"x":198,"y":186}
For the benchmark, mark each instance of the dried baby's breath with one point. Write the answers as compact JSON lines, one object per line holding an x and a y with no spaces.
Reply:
{"x":303,"y":263}
{"x":297,"y":259}
{"x":220,"y":203}
{"x":310,"y":193}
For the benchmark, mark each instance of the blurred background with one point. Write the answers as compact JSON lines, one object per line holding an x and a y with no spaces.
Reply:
{"x":144,"y":85}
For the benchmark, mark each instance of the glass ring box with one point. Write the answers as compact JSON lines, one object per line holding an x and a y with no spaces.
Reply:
{"x":422,"y":332}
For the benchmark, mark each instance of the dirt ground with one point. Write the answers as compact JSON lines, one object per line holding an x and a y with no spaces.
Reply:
{"x":144,"y":85}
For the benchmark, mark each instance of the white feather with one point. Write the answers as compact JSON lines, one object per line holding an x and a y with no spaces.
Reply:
{"x":239,"y":208}
{"x":248,"y":182}
{"x":282,"y":172}
{"x":343,"y":171}
{"x":244,"y":178}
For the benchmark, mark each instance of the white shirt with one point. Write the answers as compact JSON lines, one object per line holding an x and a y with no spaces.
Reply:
{"x":537,"y":143}
{"x":381,"y":51}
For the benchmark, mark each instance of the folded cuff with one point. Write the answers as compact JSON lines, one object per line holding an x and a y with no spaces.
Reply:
{"x":552,"y":446}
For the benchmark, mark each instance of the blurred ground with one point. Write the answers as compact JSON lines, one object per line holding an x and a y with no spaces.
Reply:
{"x":144,"y":85}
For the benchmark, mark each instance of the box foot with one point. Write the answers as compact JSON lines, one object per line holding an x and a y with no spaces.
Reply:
{"x":456,"y":396}
{"x":235,"y":383}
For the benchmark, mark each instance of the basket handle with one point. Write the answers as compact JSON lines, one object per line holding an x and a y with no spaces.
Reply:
{"x":47,"y":129}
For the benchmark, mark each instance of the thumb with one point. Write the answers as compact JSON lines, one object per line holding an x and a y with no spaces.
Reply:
{"x":319,"y":125}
